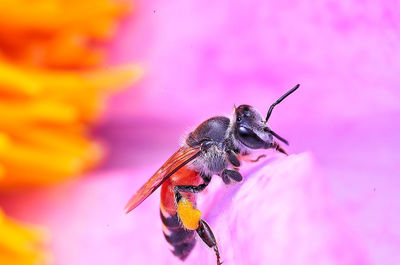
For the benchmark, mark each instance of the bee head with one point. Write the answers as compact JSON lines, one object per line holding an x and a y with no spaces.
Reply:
{"x":251,"y":129}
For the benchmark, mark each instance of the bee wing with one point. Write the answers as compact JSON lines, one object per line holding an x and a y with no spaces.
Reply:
{"x":181,"y":157}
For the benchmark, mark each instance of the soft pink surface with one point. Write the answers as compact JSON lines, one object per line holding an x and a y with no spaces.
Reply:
{"x":281,"y":214}
{"x":201,"y":57}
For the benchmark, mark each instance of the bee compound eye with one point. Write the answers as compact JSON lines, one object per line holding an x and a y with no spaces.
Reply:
{"x":249,"y":138}
{"x":243,"y":131}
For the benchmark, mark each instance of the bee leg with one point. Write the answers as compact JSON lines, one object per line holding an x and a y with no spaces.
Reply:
{"x":191,"y":188}
{"x":206,"y":234}
{"x":190,"y":216}
{"x":257,"y":159}
{"x":187,"y":217}
{"x":232,"y":158}
{"x":229,"y":174}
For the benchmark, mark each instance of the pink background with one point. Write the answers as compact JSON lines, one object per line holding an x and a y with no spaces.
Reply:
{"x":201,"y":58}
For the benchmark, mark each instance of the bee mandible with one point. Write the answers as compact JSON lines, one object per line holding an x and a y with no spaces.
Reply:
{"x":215,"y":147}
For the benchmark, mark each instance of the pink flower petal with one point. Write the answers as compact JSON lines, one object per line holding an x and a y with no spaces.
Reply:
{"x":281,"y":214}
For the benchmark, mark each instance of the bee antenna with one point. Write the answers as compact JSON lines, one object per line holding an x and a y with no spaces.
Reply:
{"x":271,"y":108}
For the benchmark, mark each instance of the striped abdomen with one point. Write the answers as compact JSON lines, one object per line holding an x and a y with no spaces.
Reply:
{"x":181,"y":240}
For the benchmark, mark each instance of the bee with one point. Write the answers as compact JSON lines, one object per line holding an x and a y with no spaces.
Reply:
{"x":215,"y":147}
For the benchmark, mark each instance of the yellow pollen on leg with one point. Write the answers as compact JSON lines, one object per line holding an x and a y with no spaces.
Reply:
{"x":189,"y":216}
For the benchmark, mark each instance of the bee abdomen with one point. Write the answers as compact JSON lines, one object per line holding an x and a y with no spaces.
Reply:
{"x":182,"y":241}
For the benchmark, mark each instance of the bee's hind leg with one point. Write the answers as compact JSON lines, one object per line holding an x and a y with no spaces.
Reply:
{"x":191,"y":188}
{"x":206,"y":234}
{"x":190,"y":218}
{"x":188,"y":215}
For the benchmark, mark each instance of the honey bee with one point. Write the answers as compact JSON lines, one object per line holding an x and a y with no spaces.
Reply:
{"x":215,"y":147}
